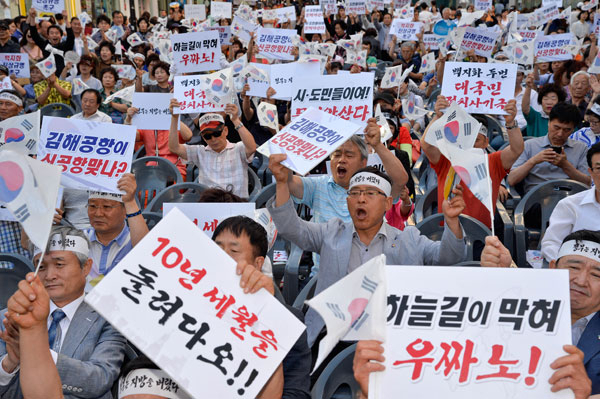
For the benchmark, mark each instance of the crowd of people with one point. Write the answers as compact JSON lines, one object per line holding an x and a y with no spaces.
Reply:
{"x":54,"y":345}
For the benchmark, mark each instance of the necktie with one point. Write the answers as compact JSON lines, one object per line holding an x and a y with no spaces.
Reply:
{"x":54,"y":330}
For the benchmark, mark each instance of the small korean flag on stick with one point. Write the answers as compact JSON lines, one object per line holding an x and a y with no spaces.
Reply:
{"x":267,"y":115}
{"x":48,"y":66}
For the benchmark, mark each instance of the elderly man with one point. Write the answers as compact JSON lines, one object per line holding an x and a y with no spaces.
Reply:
{"x":579,"y":253}
{"x":344,"y":246}
{"x":117,"y":226}
{"x":579,"y":88}
{"x":500,"y":162}
{"x":220,"y":163}
{"x":87,"y":350}
{"x":554,"y":156}
{"x":90,"y":102}
{"x":576,"y":212}
{"x":11,"y":104}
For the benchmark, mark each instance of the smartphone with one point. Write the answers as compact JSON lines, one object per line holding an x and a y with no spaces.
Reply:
{"x":557,"y":149}
{"x":452,"y":180}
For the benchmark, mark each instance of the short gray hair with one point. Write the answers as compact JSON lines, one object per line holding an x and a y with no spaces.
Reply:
{"x":408,"y":44}
{"x":64,"y":231}
{"x":578,"y":74}
{"x":361,"y":144}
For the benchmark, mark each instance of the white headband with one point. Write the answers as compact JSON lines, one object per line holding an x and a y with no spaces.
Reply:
{"x":589,"y":249}
{"x":70,"y":243}
{"x":150,"y":382}
{"x":371,"y":179}
{"x":11,"y":97}
{"x":108,"y":196}
{"x":595,"y":109}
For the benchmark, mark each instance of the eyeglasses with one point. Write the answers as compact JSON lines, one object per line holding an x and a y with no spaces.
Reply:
{"x":369,"y":193}
{"x":594,"y":123}
{"x":105,"y":208}
{"x":209,"y":136}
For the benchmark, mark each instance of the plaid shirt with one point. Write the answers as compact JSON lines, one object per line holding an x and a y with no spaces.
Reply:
{"x":54,"y":96}
{"x":226,"y":169}
{"x":10,"y":241}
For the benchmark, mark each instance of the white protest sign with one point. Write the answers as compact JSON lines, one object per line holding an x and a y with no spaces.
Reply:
{"x":527,"y":35}
{"x":275,"y":43}
{"x":357,"y":7}
{"x":483,"y":5}
{"x":349,"y":96}
{"x":6,"y":84}
{"x":51,"y":6}
{"x":207,"y":216}
{"x":455,"y":127}
{"x":283,"y":75}
{"x":481,"y":88}
{"x":432,"y":41}
{"x":178,"y":288}
{"x":23,"y":130}
{"x":553,"y":47}
{"x":471,"y":332}
{"x":285,"y":14}
{"x":596,"y":26}
{"x":224,"y":34}
{"x":314,"y":20}
{"x":480,"y":40}
{"x":153,"y":111}
{"x":196,"y":51}
{"x":196,"y":12}
{"x":203,"y":93}
{"x":557,"y":3}
{"x":405,"y":29}
{"x":17,"y":63}
{"x":595,"y":66}
{"x":310,"y":138}
{"x":258,"y":82}
{"x":220,"y":9}
{"x":330,"y":6}
{"x":546,"y":14}
{"x":242,"y":28}
{"x":93,"y":155}
{"x":376,"y":5}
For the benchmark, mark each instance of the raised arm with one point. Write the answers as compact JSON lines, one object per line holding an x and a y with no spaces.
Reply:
{"x":432,"y":152}
{"x":526,"y":101}
{"x":137,"y":225}
{"x":233,"y":111}
{"x":515,"y":139}
{"x":174,"y":146}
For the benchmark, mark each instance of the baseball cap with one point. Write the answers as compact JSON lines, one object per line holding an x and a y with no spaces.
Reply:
{"x":210,"y":122}
{"x":387,"y":97}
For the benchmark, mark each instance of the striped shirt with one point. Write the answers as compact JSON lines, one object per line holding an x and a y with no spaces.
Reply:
{"x":586,"y":136}
{"x":10,"y":241}
{"x":106,"y":257}
{"x":227,"y":169}
{"x":325,"y":198}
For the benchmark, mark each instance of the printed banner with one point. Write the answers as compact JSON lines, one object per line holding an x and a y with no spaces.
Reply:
{"x":49,"y":6}
{"x":473,"y":333}
{"x":309,"y":139}
{"x":405,"y":29}
{"x":479,"y":88}
{"x":349,"y":97}
{"x":203,"y":93}
{"x":224,"y":34}
{"x":480,"y":40}
{"x":153,"y":111}
{"x":17,"y":64}
{"x":330,"y":6}
{"x":554,"y":47}
{"x":22,"y":130}
{"x":275,"y":43}
{"x":196,"y":51}
{"x":314,"y":20}
{"x":93,"y":155}
{"x":176,"y":297}
{"x":483,"y":5}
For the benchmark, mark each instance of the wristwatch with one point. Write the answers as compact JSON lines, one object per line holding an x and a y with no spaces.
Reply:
{"x":513,"y":126}
{"x":239,"y":126}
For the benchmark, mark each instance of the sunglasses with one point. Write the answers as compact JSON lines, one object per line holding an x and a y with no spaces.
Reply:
{"x":209,"y":136}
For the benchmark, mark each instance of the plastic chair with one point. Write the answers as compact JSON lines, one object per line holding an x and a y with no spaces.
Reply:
{"x":507,"y":234}
{"x":433,"y":97}
{"x":426,"y":205}
{"x":264,"y":195}
{"x":57,"y":109}
{"x":337,"y":379}
{"x":475,"y":231}
{"x":264,"y":173}
{"x":493,"y":126}
{"x":469,"y":263}
{"x":546,"y":195}
{"x":291,"y":275}
{"x":153,"y":174}
{"x":307,"y":293}
{"x":181,"y":192}
{"x":140,"y":153}
{"x":254,"y":185}
{"x":9,"y":278}
{"x":152,"y":218}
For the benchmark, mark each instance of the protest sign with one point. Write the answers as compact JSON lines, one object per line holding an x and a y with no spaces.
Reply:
{"x":275,"y":43}
{"x":197,"y":12}
{"x":310,"y":138}
{"x":153,"y":111}
{"x":6,"y":84}
{"x":557,"y":3}
{"x":545,"y":14}
{"x":196,"y":51}
{"x":220,"y":9}
{"x":483,"y":5}
{"x":267,"y":115}
{"x":527,"y":35}
{"x":524,"y":20}
{"x":17,"y":63}
{"x":432,"y":41}
{"x":349,"y":97}
{"x":93,"y":155}
{"x":22,"y":130}
{"x":203,"y":93}
{"x":596,"y":27}
{"x":286,"y":14}
{"x":283,"y":75}
{"x":176,"y":297}
{"x":207,"y":216}
{"x":478,"y":87}
{"x":242,"y":28}
{"x":330,"y":6}
{"x":376,"y":5}
{"x":314,"y":20}
{"x":257,"y":77}
{"x":494,"y":339}
{"x":224,"y":34}
{"x":553,"y":47}
{"x":357,"y":7}
{"x":405,"y":29}
{"x":480,"y":40}
{"x":456,"y":127}
{"x":50,"y":6}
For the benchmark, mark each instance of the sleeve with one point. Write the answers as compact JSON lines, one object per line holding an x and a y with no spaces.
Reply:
{"x":241,"y":149}
{"x":561,"y":224}
{"x":496,"y":169}
{"x":446,"y":252}
{"x":68,"y":44}
{"x":97,"y":374}
{"x":309,"y":185}
{"x":582,"y":164}
{"x":39,"y":41}
{"x":193,"y":154}
{"x":6,"y":378}
{"x":531,"y":117}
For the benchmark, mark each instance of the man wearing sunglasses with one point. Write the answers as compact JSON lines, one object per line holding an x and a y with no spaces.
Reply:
{"x":221,"y":163}
{"x":6,"y":44}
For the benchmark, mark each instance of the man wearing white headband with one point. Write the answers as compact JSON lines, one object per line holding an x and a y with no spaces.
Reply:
{"x":344,"y":246}
{"x":579,"y":253}
{"x":86,"y":349}
{"x":590,"y":135}
{"x":11,"y":104}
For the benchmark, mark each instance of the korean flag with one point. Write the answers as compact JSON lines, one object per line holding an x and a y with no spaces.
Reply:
{"x":48,"y":66}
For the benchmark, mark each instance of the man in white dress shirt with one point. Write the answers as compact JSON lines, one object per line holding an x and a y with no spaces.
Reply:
{"x":90,"y":102}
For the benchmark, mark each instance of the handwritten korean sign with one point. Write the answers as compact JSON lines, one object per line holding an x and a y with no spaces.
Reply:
{"x":203,"y":93}
{"x":220,"y":9}
{"x":153,"y":111}
{"x":196,"y":51}
{"x":196,"y":12}
{"x":314,"y":20}
{"x":51,"y":6}
{"x":207,"y":216}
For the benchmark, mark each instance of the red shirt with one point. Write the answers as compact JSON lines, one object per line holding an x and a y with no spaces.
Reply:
{"x":150,"y":146}
{"x":473,"y":207}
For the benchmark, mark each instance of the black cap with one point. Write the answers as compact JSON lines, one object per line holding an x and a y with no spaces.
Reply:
{"x":4,"y":68}
{"x":387,"y":97}
{"x":3,"y":24}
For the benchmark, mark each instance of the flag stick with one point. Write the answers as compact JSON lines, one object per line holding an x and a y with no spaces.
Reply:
{"x":37,"y":268}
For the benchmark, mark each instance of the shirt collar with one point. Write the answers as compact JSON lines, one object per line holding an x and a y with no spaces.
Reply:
{"x":120,"y":239}
{"x":227,"y":147}
{"x":69,"y":309}
{"x":382,"y":230}
{"x":546,"y":142}
{"x":590,"y":197}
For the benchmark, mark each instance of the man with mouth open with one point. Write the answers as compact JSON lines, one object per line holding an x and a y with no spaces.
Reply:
{"x":344,"y":246}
